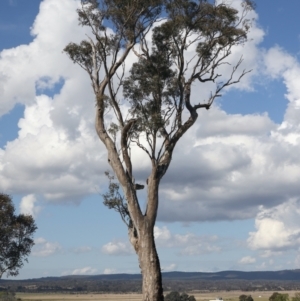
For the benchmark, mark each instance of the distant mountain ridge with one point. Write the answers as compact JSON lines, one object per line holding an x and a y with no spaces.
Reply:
{"x":283,"y":275}
{"x":179,"y":281}
{"x":289,"y":275}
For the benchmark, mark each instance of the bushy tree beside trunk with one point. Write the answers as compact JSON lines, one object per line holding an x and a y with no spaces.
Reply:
{"x":156,"y":108}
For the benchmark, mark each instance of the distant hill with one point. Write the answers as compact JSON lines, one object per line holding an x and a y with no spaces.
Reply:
{"x":284,"y":275}
{"x":181,"y":281}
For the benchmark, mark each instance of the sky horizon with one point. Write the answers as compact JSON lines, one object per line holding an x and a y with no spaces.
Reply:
{"x":230,"y":199}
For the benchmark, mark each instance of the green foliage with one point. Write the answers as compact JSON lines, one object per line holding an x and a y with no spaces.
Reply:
{"x":155,"y":89}
{"x":149,"y":89}
{"x":273,"y":296}
{"x":175,"y":296}
{"x":279,"y":297}
{"x":245,"y":298}
{"x":130,"y":18}
{"x":82,"y":54}
{"x":113,"y":130}
{"x":156,"y":86}
{"x":282,"y":297}
{"x":114,"y":200}
{"x":16,"y":233}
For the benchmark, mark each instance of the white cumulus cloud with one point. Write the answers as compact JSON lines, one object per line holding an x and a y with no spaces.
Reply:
{"x":84,"y":271}
{"x":28,"y":205}
{"x":247,"y":260}
{"x":44,"y":248}
{"x":108,"y":271}
{"x":224,"y":168}
{"x":169,"y":268}
{"x":188,"y":244}
{"x":277,"y":228}
{"x":117,"y":248}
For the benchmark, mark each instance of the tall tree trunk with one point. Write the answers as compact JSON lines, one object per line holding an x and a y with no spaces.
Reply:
{"x":149,"y":264}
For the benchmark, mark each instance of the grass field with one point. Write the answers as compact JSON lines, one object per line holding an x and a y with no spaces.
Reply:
{"x":227,"y":296}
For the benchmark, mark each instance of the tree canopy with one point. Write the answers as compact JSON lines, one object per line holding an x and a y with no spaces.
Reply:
{"x":16,"y":237}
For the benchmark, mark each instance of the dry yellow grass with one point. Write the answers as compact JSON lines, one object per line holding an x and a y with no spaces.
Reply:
{"x":234,"y":295}
{"x":227,"y":296}
{"x":79,"y":297}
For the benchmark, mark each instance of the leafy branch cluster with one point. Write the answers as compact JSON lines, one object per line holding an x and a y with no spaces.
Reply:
{"x":159,"y":85}
{"x":113,"y":199}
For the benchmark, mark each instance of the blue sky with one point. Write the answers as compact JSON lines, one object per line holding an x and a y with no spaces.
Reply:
{"x":235,"y":204}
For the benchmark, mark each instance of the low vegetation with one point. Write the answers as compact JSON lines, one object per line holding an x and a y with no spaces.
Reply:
{"x":245,"y":298}
{"x":279,"y":297}
{"x":176,"y":296}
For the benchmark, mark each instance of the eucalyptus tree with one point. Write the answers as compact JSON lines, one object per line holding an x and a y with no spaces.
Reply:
{"x":178,"y":44}
{"x":16,"y":237}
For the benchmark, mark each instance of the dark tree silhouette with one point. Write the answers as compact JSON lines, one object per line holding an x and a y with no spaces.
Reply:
{"x":245,"y":298}
{"x":16,"y":237}
{"x":175,"y":296}
{"x":279,"y":297}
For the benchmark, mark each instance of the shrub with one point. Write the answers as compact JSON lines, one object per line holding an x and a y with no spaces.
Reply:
{"x":175,"y":296}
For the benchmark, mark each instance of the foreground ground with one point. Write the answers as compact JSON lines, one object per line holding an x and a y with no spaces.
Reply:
{"x":227,"y":296}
